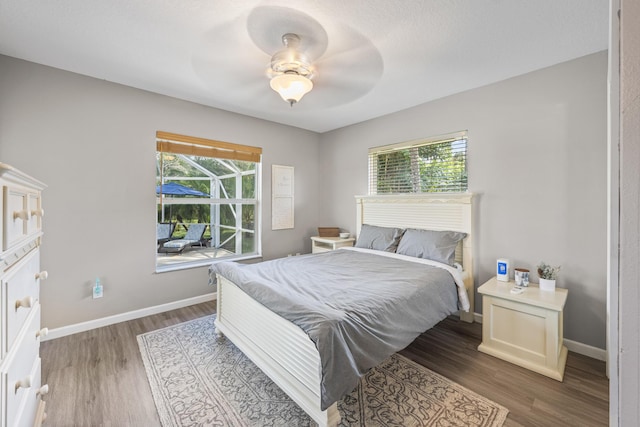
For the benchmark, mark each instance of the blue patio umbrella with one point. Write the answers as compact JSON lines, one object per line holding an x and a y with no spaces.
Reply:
{"x":174,"y":189}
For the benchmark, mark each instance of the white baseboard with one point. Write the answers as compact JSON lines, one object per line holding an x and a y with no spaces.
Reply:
{"x":123,"y":317}
{"x":586,"y":350}
{"x":576,"y":347}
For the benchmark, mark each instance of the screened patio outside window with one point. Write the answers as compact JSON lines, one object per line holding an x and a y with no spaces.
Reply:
{"x":210,"y":183}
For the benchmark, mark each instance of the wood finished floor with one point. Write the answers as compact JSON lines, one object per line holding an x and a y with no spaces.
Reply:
{"x":96,"y":378}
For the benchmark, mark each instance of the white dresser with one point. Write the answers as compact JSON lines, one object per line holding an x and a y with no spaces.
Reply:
{"x":21,"y":390}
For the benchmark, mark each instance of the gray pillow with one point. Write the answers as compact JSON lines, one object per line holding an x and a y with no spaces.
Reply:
{"x":429,"y":244}
{"x":379,"y":238}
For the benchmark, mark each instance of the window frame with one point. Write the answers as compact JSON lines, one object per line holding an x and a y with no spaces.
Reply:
{"x":375,"y":152}
{"x":182,"y":145}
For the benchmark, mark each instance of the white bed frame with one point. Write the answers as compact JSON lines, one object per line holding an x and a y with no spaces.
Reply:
{"x":282,"y":350}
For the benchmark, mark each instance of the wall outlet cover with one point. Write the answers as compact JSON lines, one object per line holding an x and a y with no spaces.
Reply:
{"x":97,"y":292}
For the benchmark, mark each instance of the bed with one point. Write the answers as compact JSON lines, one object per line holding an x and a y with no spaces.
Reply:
{"x":284,"y":351}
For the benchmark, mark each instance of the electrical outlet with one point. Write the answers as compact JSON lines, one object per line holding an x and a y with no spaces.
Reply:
{"x":97,"y":290}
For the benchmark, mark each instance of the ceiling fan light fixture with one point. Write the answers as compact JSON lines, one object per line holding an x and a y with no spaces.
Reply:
{"x":291,"y":86}
{"x":291,"y":72}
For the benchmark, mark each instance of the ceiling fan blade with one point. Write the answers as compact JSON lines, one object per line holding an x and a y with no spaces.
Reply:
{"x":234,"y":58}
{"x":225,"y":58}
{"x":347,"y":74}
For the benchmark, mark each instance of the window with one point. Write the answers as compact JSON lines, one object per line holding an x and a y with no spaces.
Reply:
{"x":208,"y":196}
{"x":433,"y":165}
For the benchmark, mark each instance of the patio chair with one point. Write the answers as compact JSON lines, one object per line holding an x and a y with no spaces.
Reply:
{"x":164,"y":230}
{"x":192,"y":238}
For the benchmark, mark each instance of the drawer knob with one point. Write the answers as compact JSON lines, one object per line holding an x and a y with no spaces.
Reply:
{"x":43,"y":275}
{"x":42,"y":333}
{"x":43,"y":390}
{"x":25,"y":302}
{"x":23,"y":383}
{"x":23,"y":215}
{"x":37,"y":212}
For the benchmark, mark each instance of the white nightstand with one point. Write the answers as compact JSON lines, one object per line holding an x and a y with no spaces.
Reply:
{"x":524,"y":329}
{"x":326,"y":244}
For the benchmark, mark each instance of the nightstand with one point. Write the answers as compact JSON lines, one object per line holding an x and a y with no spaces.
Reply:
{"x":525,"y":329}
{"x":326,"y":244}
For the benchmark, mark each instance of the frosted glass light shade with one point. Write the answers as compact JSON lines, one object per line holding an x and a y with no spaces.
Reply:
{"x":291,"y":87}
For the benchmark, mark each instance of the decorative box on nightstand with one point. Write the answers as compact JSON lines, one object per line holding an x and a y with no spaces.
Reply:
{"x":326,"y":244}
{"x":525,"y":329}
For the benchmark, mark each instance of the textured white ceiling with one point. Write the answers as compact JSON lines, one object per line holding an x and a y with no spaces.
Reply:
{"x":373,"y":57}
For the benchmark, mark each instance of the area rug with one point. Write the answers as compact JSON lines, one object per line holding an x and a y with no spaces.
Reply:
{"x":198,"y":379}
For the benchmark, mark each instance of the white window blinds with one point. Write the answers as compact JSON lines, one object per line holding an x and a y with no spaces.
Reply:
{"x":433,"y":165}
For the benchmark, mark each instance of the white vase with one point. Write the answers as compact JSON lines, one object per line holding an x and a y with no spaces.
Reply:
{"x":547,"y":285}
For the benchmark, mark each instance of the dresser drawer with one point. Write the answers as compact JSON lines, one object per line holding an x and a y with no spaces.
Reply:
{"x":21,"y":375}
{"x":20,"y":237}
{"x":21,"y":292}
{"x":22,"y":216}
{"x":28,"y":408}
{"x":15,"y":205}
{"x":34,"y":206}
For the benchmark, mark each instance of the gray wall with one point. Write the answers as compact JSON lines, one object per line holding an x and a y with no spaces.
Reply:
{"x":93,"y":143}
{"x":537,"y":159}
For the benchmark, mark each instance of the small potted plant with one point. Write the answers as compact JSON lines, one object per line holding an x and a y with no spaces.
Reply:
{"x":548,"y":275}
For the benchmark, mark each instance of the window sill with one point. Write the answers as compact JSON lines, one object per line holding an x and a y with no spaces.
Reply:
{"x":204,"y":263}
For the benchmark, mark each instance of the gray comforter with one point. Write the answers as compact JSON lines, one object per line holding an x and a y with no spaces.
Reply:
{"x":358,"y":307}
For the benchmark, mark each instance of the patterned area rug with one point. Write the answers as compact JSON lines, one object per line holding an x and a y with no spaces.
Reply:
{"x":198,"y":379}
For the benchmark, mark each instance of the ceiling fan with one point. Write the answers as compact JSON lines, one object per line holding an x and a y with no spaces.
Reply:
{"x":337,"y":62}
{"x":291,"y":72}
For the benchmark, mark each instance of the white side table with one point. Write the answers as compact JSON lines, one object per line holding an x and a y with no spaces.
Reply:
{"x":524,"y":329}
{"x":326,"y":244}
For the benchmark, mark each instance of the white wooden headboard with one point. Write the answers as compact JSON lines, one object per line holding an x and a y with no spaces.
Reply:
{"x":436,"y":211}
